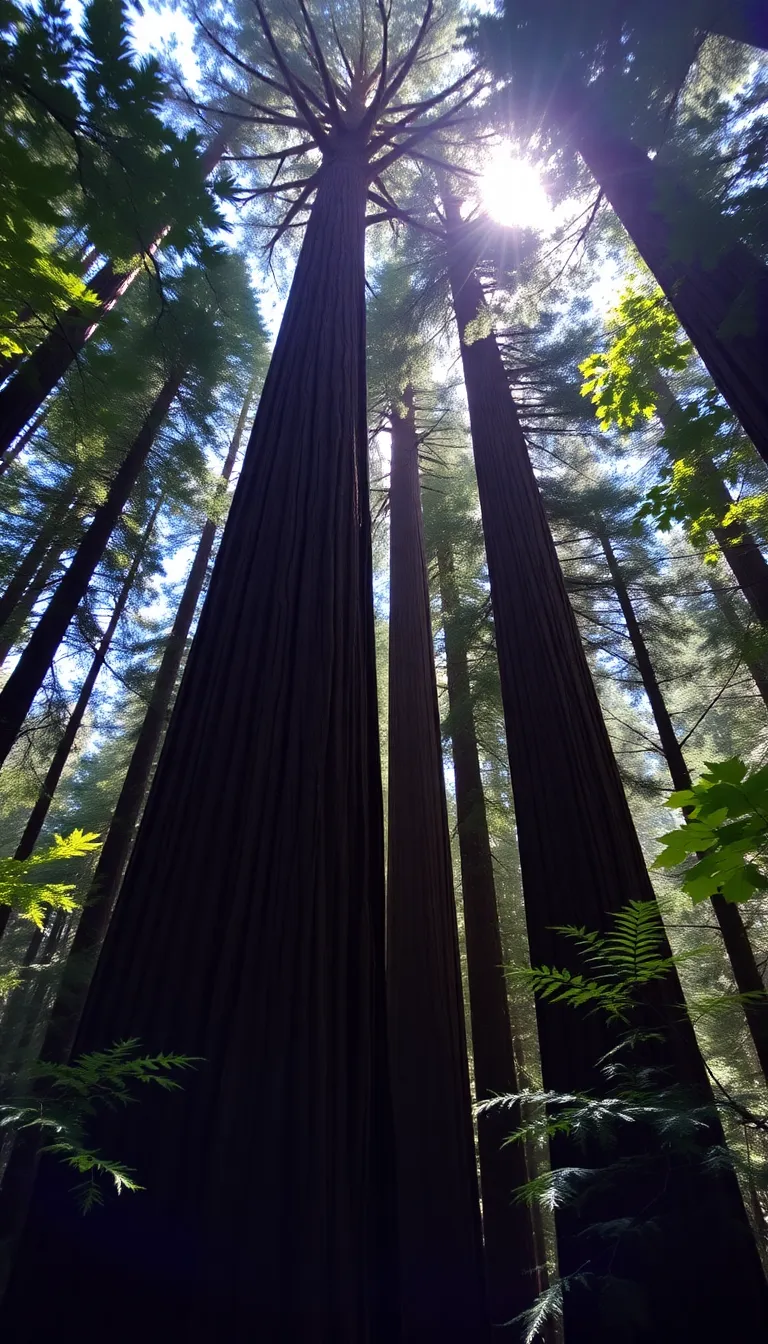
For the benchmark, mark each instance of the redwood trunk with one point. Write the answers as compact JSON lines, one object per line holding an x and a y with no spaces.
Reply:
{"x":31,"y":562}
{"x":740,"y":550}
{"x":721,"y":301}
{"x":24,"y":393}
{"x":510,"y":1250}
{"x":580,"y":861}
{"x":61,"y":755}
{"x":27,"y":677}
{"x":13,"y":629}
{"x":441,"y":1251}
{"x":735,"y":936}
{"x":250,"y":926}
{"x":100,"y":898}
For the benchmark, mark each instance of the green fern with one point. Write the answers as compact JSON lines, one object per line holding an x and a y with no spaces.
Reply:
{"x":65,"y":1096}
{"x":627,"y":957}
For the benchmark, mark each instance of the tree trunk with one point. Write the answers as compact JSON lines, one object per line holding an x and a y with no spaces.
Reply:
{"x":581,"y":861}
{"x":32,"y":560}
{"x":13,"y":629}
{"x":754,"y":663}
{"x":27,"y":677}
{"x":740,"y":550}
{"x":250,"y":926}
{"x":61,"y":755}
{"x":100,"y":898}
{"x":510,"y":1251}
{"x":735,"y":936}
{"x":24,"y":393}
{"x":719,"y":290}
{"x":441,"y":1250}
{"x":22,"y":441}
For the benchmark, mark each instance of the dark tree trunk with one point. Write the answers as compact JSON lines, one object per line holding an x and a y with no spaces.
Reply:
{"x":441,"y":1249}
{"x":100,"y":897}
{"x":580,"y":861}
{"x":61,"y":755}
{"x":32,"y":560}
{"x":735,"y":936}
{"x":721,"y":301}
{"x":21,"y":442}
{"x":13,"y":629}
{"x":740,"y":550}
{"x":250,"y":926}
{"x":24,"y":393}
{"x":55,"y":770}
{"x":30,"y":671}
{"x":510,"y":1251}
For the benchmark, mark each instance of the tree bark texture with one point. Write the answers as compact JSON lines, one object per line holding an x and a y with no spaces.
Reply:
{"x":100,"y":898}
{"x":510,"y":1251}
{"x":29,"y":673}
{"x":581,"y":860}
{"x":719,"y":290}
{"x":250,"y":926}
{"x":441,"y":1250}
{"x":740,"y":550}
{"x":24,"y":393}
{"x":735,"y":937}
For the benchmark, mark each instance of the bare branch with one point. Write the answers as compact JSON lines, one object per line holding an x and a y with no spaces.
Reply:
{"x":291,"y":214}
{"x":410,"y":58}
{"x":342,"y":52}
{"x":414,"y":110}
{"x":324,"y":72}
{"x":316,"y":127}
{"x":421,"y":133}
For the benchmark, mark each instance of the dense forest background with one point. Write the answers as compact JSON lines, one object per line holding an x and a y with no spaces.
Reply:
{"x":384,"y":670}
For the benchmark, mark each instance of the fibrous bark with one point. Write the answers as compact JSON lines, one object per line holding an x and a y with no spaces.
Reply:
{"x":508,"y":1232}
{"x":101,"y":894}
{"x":250,"y":926}
{"x":29,"y":673}
{"x":735,"y":937}
{"x":580,"y":860}
{"x":441,"y":1265}
{"x":717,"y":287}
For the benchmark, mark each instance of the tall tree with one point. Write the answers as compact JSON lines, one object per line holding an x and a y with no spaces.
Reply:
{"x":580,"y":859}
{"x":275,"y":819}
{"x":629,"y":382}
{"x":103,"y":887}
{"x":53,"y":775}
{"x":442,"y":1277}
{"x":87,"y":113}
{"x":571,"y":76}
{"x":190,"y":349}
{"x":510,"y":1250}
